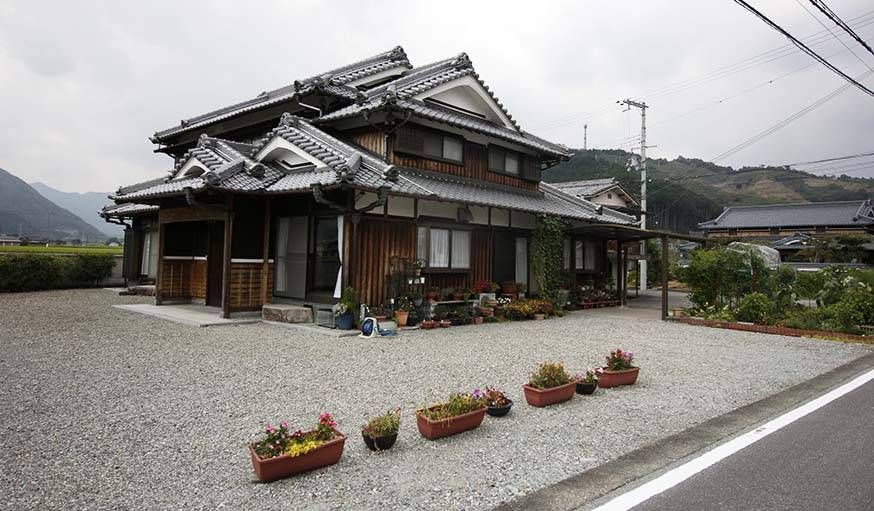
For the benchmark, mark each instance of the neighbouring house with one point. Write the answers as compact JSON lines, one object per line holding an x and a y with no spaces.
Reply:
{"x":339,"y":179}
{"x":606,"y":192}
{"x":791,"y":228}
{"x":9,"y":241}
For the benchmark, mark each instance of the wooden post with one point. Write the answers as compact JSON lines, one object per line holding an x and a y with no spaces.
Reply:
{"x":620,"y":272}
{"x":160,"y":273}
{"x":664,"y":265}
{"x":226,"y":266}
{"x":265,"y":264}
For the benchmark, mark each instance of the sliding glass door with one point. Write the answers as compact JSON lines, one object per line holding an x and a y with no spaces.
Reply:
{"x":292,"y":245}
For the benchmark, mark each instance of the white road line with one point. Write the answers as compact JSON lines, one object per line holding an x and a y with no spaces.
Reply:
{"x":677,"y":475}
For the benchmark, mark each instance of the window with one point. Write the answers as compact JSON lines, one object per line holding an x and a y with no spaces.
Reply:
{"x":566,"y":255}
{"x":431,"y":144}
{"x":503,"y":160}
{"x":585,"y":255}
{"x":443,"y":248}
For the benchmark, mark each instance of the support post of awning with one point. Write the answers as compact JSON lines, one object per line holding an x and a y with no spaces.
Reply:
{"x":664,"y":265}
{"x":226,"y":266}
{"x":265,"y":264}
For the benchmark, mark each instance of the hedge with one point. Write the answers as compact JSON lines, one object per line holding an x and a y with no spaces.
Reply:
{"x":34,"y":272}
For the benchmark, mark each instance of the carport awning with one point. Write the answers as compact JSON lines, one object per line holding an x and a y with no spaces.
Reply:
{"x":627,"y":233}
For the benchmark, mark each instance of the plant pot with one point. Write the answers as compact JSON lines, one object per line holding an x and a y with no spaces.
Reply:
{"x":433,"y":430}
{"x":284,"y":466}
{"x":487,"y":311}
{"x":402,"y":317}
{"x":545,"y":397}
{"x":445,"y":323}
{"x":540,"y":317}
{"x":478,"y":320}
{"x":379,"y":444}
{"x":586,"y":388}
{"x":609,"y":378}
{"x":344,"y":321}
{"x":499,"y":411}
{"x":428,"y":324}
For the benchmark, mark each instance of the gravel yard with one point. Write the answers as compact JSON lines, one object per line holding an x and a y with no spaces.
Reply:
{"x":102,"y":408}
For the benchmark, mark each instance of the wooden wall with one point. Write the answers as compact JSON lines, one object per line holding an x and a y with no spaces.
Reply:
{"x":183,"y":279}
{"x":246,"y":285}
{"x":379,"y":240}
{"x":476,"y":159}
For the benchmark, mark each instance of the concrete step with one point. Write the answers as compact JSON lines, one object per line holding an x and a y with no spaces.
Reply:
{"x":286,"y":313}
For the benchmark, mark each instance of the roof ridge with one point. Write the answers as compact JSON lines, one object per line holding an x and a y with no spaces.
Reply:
{"x":750,"y":206}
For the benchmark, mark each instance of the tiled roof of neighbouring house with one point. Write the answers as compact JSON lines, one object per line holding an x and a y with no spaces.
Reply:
{"x":590,"y":188}
{"x":233,"y":167}
{"x":332,"y":82}
{"x":126,"y":209}
{"x":835,"y":214}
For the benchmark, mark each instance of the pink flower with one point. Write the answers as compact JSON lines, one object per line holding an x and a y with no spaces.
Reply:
{"x":270,"y":428}
{"x":283,"y":424}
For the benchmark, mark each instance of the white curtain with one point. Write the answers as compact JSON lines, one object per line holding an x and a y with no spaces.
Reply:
{"x":461,"y":249}
{"x":281,"y":253}
{"x":439,"y":253}
{"x":522,"y":260}
{"x":578,"y":252}
{"x":421,"y":244}
{"x":147,"y":241}
{"x":591,"y":252}
{"x":338,"y":288}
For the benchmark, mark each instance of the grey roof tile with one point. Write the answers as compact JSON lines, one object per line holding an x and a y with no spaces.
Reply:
{"x":844,"y":213}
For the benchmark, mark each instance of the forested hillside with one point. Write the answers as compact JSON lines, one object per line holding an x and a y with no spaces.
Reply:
{"x":684,"y":191}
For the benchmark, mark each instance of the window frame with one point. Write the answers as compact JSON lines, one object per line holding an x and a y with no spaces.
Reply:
{"x":520,"y":160}
{"x":599,"y":248}
{"x":427,"y":131}
{"x":427,"y":248}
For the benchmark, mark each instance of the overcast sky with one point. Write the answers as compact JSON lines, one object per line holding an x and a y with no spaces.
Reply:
{"x":82,"y":85}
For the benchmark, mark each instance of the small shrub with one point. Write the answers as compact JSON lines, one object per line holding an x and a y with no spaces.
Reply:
{"x":495,"y":397}
{"x":34,"y":272}
{"x":590,"y":376}
{"x":619,"y":360}
{"x":754,"y":308}
{"x":458,"y":404}
{"x":384,"y":425}
{"x":549,"y":375}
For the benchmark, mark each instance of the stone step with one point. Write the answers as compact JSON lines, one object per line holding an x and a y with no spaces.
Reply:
{"x":286,"y":313}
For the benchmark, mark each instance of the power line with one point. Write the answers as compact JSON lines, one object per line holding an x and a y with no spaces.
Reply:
{"x":803,"y":47}
{"x":832,"y":33}
{"x":819,"y":4}
{"x":837,"y":158}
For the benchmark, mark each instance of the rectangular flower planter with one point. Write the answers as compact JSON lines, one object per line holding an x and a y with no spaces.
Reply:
{"x":545,"y":397}
{"x":284,"y":466}
{"x":609,"y":378}
{"x":433,"y":430}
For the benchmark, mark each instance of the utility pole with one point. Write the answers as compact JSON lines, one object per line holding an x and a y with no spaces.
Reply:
{"x":585,"y":137}
{"x":642,"y":106}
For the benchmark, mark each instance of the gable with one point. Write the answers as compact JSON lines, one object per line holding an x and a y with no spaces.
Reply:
{"x":192,"y":168}
{"x":285,"y":153}
{"x":467,"y":95}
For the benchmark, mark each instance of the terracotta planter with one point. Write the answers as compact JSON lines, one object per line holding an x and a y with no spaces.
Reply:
{"x":429,"y":324}
{"x":609,"y":378}
{"x":433,"y":430}
{"x":402,"y":317}
{"x":284,"y":466}
{"x":545,"y":397}
{"x":478,"y":320}
{"x":487,"y":311}
{"x":540,"y":317}
{"x":379,"y":444}
{"x":445,"y":323}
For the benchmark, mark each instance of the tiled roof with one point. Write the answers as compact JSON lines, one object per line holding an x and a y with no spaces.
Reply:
{"x":586,"y":188}
{"x":332,"y":82}
{"x":126,"y":209}
{"x":834,"y":214}
{"x":233,"y":167}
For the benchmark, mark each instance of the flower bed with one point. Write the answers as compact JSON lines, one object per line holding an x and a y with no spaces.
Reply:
{"x":461,"y":412}
{"x":769,"y":329}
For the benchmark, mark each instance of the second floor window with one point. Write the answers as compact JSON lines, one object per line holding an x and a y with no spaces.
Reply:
{"x":503,"y":160}
{"x":431,"y":144}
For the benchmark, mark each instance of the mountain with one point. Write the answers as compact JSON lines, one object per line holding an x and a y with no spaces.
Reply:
{"x":24,"y":210}
{"x":84,"y":205}
{"x":684,"y":191}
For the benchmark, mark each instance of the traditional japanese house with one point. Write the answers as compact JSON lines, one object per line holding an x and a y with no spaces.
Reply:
{"x":326,"y":183}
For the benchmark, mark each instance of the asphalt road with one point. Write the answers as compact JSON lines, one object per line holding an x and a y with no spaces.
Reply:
{"x":824,"y":460}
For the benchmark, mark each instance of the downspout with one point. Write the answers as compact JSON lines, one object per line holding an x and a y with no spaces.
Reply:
{"x":111,"y":220}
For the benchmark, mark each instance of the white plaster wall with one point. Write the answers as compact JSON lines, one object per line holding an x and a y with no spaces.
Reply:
{"x":524,"y":220}
{"x":401,"y":206}
{"x":480,"y":215}
{"x":367,"y":198}
{"x":603,"y":199}
{"x":438,"y":209}
{"x":500,"y":217}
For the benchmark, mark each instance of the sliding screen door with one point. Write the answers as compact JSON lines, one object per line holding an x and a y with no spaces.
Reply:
{"x":522,"y":260}
{"x":291,"y":256}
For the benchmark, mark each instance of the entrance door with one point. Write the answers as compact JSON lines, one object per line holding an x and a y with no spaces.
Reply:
{"x":292,"y":236}
{"x":325,"y":258}
{"x":510,"y":258}
{"x":215,"y":263}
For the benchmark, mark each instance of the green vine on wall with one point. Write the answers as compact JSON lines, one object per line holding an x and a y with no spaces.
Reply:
{"x":547,"y":248}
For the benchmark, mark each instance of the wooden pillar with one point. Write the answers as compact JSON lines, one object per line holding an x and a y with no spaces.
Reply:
{"x":620,"y":272}
{"x":160,"y":273}
{"x":226,"y":266}
{"x":664,"y":265}
{"x":265,"y":263}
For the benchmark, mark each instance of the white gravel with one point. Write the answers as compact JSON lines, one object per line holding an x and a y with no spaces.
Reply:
{"x":102,"y":408}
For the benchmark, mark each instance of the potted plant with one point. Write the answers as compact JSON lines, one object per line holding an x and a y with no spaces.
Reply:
{"x":418,"y":266}
{"x":445,"y":323}
{"x":380,"y":433}
{"x":620,"y":370}
{"x":428,"y":324}
{"x":433,"y":294}
{"x":461,"y":412}
{"x":344,"y":309}
{"x":497,"y":403}
{"x":280,"y":453}
{"x":402,"y":312}
{"x":548,"y":385}
{"x":477,"y":316}
{"x":459,"y":294}
{"x":587,"y":382}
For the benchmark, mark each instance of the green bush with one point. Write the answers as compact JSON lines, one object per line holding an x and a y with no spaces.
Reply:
{"x":755,"y":308}
{"x":34,"y":272}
